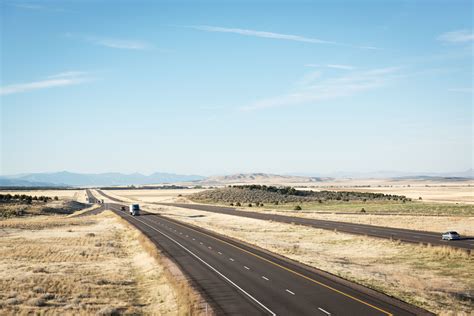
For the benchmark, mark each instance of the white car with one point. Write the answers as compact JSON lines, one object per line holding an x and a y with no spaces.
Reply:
{"x":450,"y":236}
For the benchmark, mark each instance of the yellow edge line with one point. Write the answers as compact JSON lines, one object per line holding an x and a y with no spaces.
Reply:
{"x":289,"y":270}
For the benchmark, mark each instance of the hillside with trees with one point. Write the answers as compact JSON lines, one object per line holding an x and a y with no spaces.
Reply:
{"x":276,"y":195}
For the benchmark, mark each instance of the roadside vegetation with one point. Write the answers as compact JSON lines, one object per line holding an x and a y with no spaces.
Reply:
{"x":81,"y":266}
{"x":288,"y":199}
{"x":29,"y":205}
{"x":277,"y":195}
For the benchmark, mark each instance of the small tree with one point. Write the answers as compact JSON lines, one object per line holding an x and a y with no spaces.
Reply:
{"x":231,"y":204}
{"x":56,"y":198}
{"x":250,"y":204}
{"x":297,"y":208}
{"x":362,"y":210}
{"x":238,"y":204}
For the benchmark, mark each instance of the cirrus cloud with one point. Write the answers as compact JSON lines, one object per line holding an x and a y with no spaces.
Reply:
{"x":459,"y":36}
{"x":57,"y":80}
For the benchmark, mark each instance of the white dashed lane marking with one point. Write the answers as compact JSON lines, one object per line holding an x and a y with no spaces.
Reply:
{"x":265,"y":278}
{"x":292,"y":293}
{"x":246,"y":267}
{"x":324,"y":311}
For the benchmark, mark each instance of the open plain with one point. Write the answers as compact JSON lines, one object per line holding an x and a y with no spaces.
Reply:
{"x":81,"y":266}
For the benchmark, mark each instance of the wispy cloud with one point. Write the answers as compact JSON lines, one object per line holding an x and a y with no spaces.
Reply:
{"x":335,"y":66}
{"x":68,"y":74}
{"x":325,"y":89}
{"x":57,"y":80}
{"x":459,"y":36}
{"x":120,"y":43}
{"x":343,"y":67}
{"x":272,"y":35}
{"x":288,"y":37}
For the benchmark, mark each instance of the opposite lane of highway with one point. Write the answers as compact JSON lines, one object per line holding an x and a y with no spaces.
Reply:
{"x":405,"y":235}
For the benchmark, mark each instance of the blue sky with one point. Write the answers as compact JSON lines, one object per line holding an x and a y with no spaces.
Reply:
{"x":236,"y":86}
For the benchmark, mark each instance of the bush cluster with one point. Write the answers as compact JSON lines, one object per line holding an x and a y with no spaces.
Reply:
{"x":260,"y":194}
{"x":25,"y":198}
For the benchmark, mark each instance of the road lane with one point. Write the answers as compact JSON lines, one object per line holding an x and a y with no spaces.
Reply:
{"x":405,"y":235}
{"x":255,"y":281}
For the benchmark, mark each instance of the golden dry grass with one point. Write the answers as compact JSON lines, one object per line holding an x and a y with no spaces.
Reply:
{"x":64,"y":194}
{"x":151,"y":195}
{"x":39,"y":208}
{"x":430,"y":277}
{"x":57,"y":265}
{"x":432,"y":192}
{"x":462,"y":224}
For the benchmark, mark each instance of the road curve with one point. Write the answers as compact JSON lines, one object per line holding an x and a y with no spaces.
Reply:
{"x":405,"y":235}
{"x":239,"y":279}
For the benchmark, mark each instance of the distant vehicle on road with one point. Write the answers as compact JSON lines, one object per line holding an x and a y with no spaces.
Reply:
{"x":452,"y":235}
{"x":134,"y":209}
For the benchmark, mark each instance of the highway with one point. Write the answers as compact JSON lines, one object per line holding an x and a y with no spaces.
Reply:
{"x":239,"y":279}
{"x":405,"y":235}
{"x":92,"y":199}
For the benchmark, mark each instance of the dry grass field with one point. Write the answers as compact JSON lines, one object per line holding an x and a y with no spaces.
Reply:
{"x":62,"y":194}
{"x":151,"y":195}
{"x":75,"y":195}
{"x":438,"y":279}
{"x":430,"y":192}
{"x":81,"y":266}
{"x":19,"y":208}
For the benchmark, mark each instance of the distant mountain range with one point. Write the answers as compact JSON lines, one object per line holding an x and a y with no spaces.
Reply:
{"x":65,"y":178}
{"x":262,"y":178}
{"x":70,"y":179}
{"x":390,"y":174}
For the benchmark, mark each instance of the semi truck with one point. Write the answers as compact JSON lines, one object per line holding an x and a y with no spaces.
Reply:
{"x":134,"y":209}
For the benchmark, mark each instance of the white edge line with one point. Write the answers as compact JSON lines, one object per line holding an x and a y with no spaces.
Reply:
{"x":211,"y":267}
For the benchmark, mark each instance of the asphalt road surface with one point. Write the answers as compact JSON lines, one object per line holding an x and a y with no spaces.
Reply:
{"x":238,"y":279}
{"x":91,"y":197}
{"x":405,"y":235}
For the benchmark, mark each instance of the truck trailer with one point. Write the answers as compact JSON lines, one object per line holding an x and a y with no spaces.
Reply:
{"x":134,"y":209}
